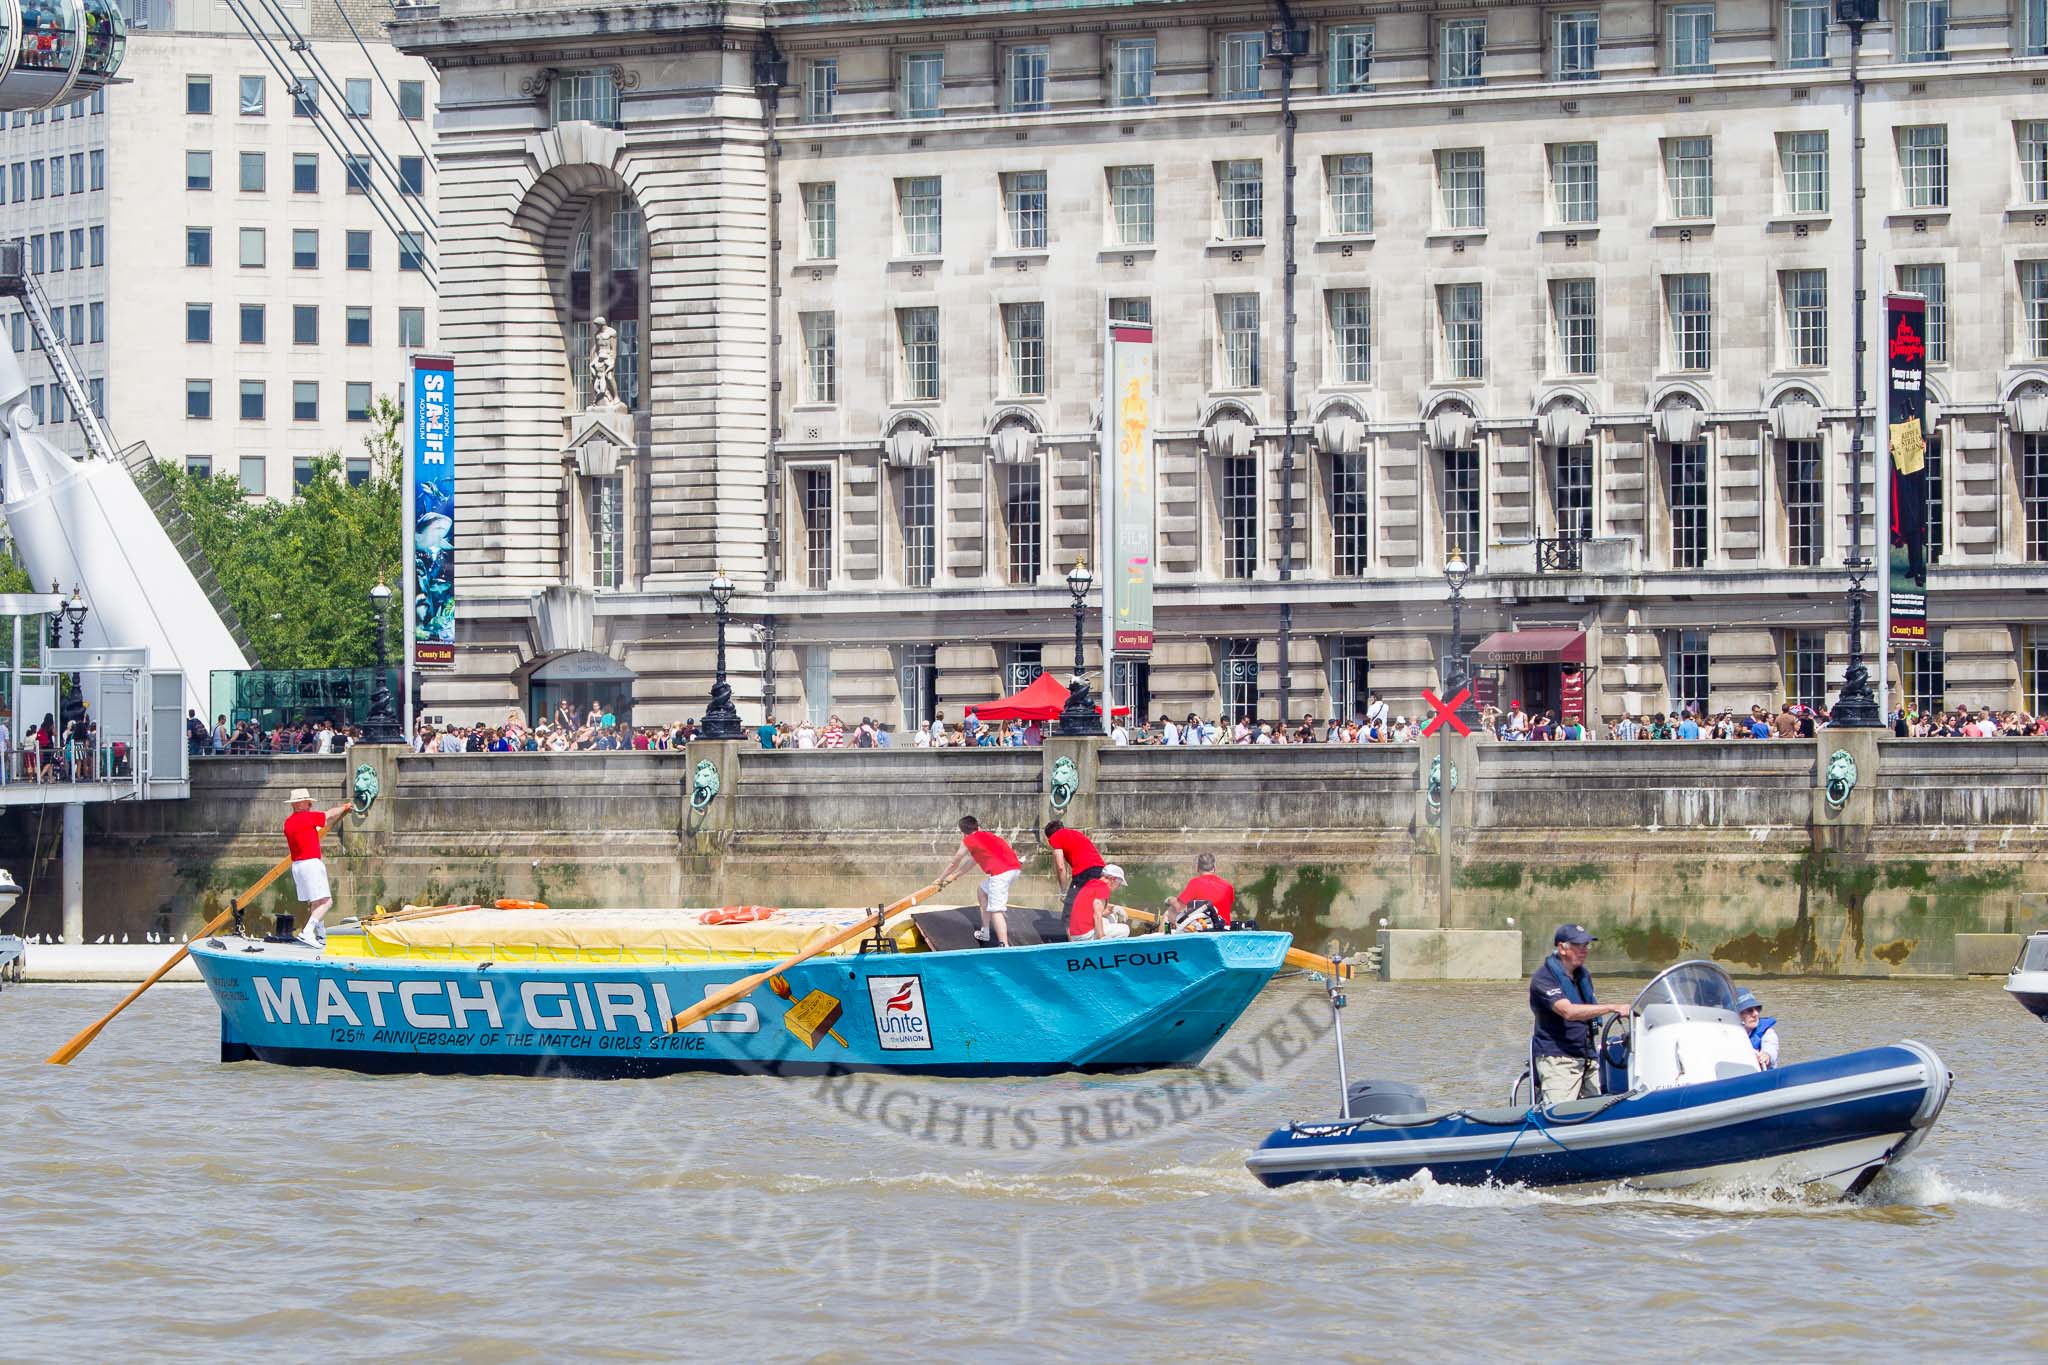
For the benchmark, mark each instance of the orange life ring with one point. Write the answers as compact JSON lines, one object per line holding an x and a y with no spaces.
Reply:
{"x":519,"y":905}
{"x":736,"y":914}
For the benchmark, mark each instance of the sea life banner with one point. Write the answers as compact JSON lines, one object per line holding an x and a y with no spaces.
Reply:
{"x":430,"y":507}
{"x":1905,"y":353}
{"x":1127,"y":446}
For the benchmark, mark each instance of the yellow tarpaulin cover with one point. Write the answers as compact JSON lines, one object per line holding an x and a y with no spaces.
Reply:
{"x":651,"y":935}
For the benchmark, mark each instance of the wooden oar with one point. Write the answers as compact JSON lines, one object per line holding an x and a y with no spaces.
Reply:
{"x":63,"y":1055}
{"x":1296,"y":957}
{"x":747,"y":985}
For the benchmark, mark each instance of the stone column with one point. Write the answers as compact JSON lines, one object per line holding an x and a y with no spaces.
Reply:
{"x":1079,"y":811}
{"x":710,"y":827}
{"x":1859,"y":810}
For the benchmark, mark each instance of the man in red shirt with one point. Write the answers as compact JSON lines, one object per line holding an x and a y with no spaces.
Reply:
{"x":309,"y":874}
{"x":1204,"y":892}
{"x":1075,"y":860}
{"x":1000,"y":869}
{"x":1090,"y":917}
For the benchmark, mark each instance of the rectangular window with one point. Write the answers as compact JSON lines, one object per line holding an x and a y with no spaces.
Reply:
{"x":199,"y":466}
{"x":412,"y":175}
{"x":1687,"y":464}
{"x":1237,"y":327}
{"x":918,"y":329}
{"x":1024,"y":520}
{"x":821,"y":358}
{"x":1238,"y":679}
{"x":198,"y":246}
{"x":98,"y":237}
{"x":1350,"y":59}
{"x":1133,"y":63}
{"x":99,"y":168}
{"x":250,"y":473}
{"x":1923,"y":165}
{"x":817,"y":662}
{"x":1804,"y":531}
{"x":1937,"y":500}
{"x":1024,"y":77}
{"x":198,"y":323}
{"x":1240,"y":515}
{"x":1239,"y":59}
{"x":1572,"y":491}
{"x":305,"y":401}
{"x":305,"y":248}
{"x":2032,"y":41}
{"x":356,"y":246}
{"x":821,"y":89}
{"x":1022,"y":665}
{"x":917,"y":675}
{"x":1931,"y":283}
{"x":917,"y":209}
{"x":199,"y":94}
{"x":606,"y":504}
{"x":1575,"y":315}
{"x":1805,"y":294}
{"x":38,"y":183}
{"x":35,"y":253}
{"x":199,"y":399}
{"x":305,"y":172}
{"x":1461,"y":188}
{"x":821,"y":221}
{"x":198,"y":173}
{"x":412,"y":328}
{"x":2032,"y":135}
{"x":356,"y":402}
{"x":1024,"y":209}
{"x":1806,"y":33}
{"x":302,"y":473}
{"x":357,"y":171}
{"x":1575,"y":182}
{"x":1461,"y":53}
{"x":252,"y":89}
{"x":1685,"y":672}
{"x":921,"y":84}
{"x":14,"y":175}
{"x":917,"y":507}
{"x":1689,"y":300}
{"x":77,"y":164}
{"x":1462,"y":310}
{"x":305,"y":324}
{"x":1241,"y":197}
{"x":357,"y":91}
{"x":1350,"y":516}
{"x":1350,"y":181}
{"x":356,"y":469}
{"x":98,"y":313}
{"x":1689,"y":176}
{"x":1575,"y":45}
{"x":585,"y":96}
{"x":1803,"y":158}
{"x":306,"y":98}
{"x":412,"y":251}
{"x":2034,"y":495}
{"x":253,"y":328}
{"x":1130,"y":204}
{"x":814,"y":505}
{"x":252,"y":400}
{"x":1925,"y":38}
{"x":2034,"y":308}
{"x":1350,"y":313}
{"x":1349,"y":670}
{"x":1024,"y":340}
{"x":1689,"y":40}
{"x":252,"y":253}
{"x":56,"y":176}
{"x":1461,"y":505}
{"x":1922,"y":678}
{"x":412,"y":100}
{"x":2034,"y":673}
{"x":1131,"y":310}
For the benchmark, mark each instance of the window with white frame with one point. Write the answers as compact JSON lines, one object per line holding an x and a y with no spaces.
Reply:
{"x":1686,"y":672}
{"x":814,"y":512}
{"x":1572,"y":491}
{"x":2031,"y":135}
{"x":917,"y":672}
{"x":1805,"y":297}
{"x":1689,"y":305}
{"x":1133,"y":61}
{"x":2034,"y":495}
{"x":917,"y":331}
{"x":1686,"y":469}
{"x":1239,"y":58}
{"x":916,"y":513}
{"x":1350,"y":667}
{"x":1239,"y":486}
{"x":821,"y":358}
{"x":1461,"y":505}
{"x":1689,"y":40}
{"x":1024,"y":343}
{"x":1575,"y":182}
{"x":1350,"y":516}
{"x":1237,"y":677}
{"x":1923,"y":165}
{"x":1349,"y":178}
{"x":1937,"y":500}
{"x":1575,"y":45}
{"x":1924,"y":36}
{"x":1803,"y":165}
{"x":1804,"y":528}
{"x":821,"y":221}
{"x":817,"y":664}
{"x":605,"y":498}
{"x":1689,"y":176}
{"x":589,"y":96}
{"x":821,"y":89}
{"x":1131,"y":310}
{"x":1024,"y":78}
{"x":1024,"y":209}
{"x":1461,"y":187}
{"x":1024,"y":520}
{"x":918,"y":213}
{"x":1350,"y":313}
{"x":1237,"y":336}
{"x":1806,"y":33}
{"x":1930,"y":281}
{"x":1350,"y":59}
{"x":1131,"y":205}
{"x":921,"y":84}
{"x":1461,"y":52}
{"x":1575,"y":322}
{"x":1241,"y":200}
{"x":2034,"y":309}
{"x":1806,"y":667}
{"x":1461,"y":311}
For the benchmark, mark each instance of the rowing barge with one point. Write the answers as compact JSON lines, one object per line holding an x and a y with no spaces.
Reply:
{"x":593,"y":992}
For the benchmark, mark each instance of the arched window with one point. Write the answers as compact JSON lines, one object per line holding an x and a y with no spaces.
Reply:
{"x":607,"y":271}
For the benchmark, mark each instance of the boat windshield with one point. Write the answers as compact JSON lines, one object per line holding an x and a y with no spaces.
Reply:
{"x":1693,"y":988}
{"x":2034,"y":954}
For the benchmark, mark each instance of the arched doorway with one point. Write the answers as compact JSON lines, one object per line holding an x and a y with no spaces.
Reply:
{"x":581,"y":678}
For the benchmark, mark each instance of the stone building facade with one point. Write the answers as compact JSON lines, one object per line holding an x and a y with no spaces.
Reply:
{"x":1572,"y":296}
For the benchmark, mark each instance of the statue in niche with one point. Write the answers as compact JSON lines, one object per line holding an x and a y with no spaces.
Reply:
{"x":604,"y":365}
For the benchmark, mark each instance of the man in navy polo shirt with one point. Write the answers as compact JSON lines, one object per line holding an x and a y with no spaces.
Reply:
{"x":1561,"y":999}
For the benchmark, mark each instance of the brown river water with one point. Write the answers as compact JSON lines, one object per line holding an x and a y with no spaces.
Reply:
{"x":155,"y":1202}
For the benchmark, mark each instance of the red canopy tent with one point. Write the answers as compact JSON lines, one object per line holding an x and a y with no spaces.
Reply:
{"x":1043,"y":699}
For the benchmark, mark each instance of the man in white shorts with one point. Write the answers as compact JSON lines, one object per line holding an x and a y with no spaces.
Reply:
{"x":1000,"y":868}
{"x":309,"y":873}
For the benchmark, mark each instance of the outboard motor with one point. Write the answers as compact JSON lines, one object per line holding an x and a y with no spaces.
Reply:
{"x":1384,"y":1099}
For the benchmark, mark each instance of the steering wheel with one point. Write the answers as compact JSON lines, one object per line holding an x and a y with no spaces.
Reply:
{"x":1618,"y":1034}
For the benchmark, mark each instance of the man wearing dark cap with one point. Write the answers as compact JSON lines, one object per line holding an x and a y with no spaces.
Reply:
{"x":1561,"y":998}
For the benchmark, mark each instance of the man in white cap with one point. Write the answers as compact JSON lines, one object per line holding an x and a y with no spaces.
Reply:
{"x":309,"y":874}
{"x":1090,"y":918}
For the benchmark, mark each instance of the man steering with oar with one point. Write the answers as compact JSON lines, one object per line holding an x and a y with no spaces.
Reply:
{"x":309,"y":872}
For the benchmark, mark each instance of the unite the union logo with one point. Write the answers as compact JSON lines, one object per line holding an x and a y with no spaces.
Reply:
{"x":900,"y":1021}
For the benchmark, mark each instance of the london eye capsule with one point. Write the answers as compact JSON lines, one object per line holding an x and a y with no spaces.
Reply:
{"x":57,"y":50}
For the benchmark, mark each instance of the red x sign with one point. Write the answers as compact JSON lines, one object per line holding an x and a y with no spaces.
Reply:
{"x":1447,"y":711}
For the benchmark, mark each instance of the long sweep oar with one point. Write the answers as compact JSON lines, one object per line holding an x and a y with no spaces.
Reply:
{"x":63,"y":1055}
{"x":747,"y":985}
{"x":1296,"y":957}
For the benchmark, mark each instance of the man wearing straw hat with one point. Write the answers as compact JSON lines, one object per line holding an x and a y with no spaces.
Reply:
{"x":309,"y":874}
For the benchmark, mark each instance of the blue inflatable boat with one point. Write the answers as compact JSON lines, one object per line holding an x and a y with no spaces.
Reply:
{"x":1686,"y":1104}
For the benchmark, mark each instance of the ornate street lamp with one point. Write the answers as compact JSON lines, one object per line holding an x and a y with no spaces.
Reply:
{"x":721,"y":718}
{"x":381,"y":725}
{"x":74,"y":612}
{"x":1452,"y":678}
{"x":1456,"y":574}
{"x":1078,"y":716}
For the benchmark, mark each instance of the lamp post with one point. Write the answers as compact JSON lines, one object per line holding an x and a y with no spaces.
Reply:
{"x":1286,"y":45}
{"x":74,"y":613}
{"x":1451,"y":676}
{"x":1856,"y":707}
{"x":721,"y":719}
{"x":381,"y":725}
{"x":1078,"y":716}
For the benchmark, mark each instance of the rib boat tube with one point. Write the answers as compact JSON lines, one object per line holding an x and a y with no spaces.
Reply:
{"x":2028,"y":982}
{"x":1688,"y":1105}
